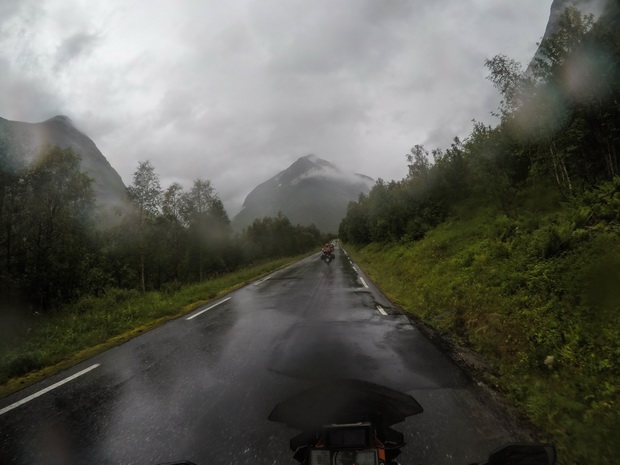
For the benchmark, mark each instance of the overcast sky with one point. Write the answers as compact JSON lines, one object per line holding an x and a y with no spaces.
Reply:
{"x":235,"y":91}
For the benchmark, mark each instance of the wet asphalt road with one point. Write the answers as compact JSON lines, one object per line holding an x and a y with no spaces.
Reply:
{"x":201,"y":389}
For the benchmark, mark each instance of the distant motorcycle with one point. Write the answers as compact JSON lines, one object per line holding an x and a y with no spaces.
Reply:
{"x":327,"y":254}
{"x":327,"y":257}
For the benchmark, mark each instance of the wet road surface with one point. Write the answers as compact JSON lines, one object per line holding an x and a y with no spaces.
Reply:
{"x":201,"y":387}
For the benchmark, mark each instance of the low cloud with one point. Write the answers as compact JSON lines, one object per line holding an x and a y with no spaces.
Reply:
{"x":73,"y":47}
{"x":235,"y":92}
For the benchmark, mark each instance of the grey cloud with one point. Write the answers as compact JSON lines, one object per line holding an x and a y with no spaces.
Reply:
{"x":442,"y":136}
{"x":27,"y":96}
{"x":8,"y":8}
{"x":73,"y":47}
{"x":235,"y":91}
{"x":332,"y":37}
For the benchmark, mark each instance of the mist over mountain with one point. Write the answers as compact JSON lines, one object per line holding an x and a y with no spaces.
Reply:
{"x":25,"y":141}
{"x":310,"y":191}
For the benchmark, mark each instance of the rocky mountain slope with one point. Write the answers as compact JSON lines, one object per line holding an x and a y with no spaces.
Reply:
{"x":594,"y":7}
{"x":25,"y":141}
{"x":310,"y":191}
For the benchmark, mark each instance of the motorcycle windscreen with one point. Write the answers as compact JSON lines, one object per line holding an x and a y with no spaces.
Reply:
{"x":346,"y":401}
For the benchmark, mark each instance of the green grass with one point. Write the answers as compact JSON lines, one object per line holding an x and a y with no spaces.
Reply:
{"x":93,"y":324}
{"x":539,"y":298}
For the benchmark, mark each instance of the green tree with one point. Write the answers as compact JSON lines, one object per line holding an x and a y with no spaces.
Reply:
{"x":172,"y":203}
{"x":57,"y":205}
{"x":173,"y":234}
{"x":543,"y":103}
{"x":551,"y":105}
{"x":209,"y":227}
{"x":355,"y":226}
{"x":276,"y":237}
{"x":555,"y":50}
{"x":146,"y":194}
{"x":10,"y":189}
{"x":419,"y":165}
{"x":496,"y":168}
{"x":513,"y":84}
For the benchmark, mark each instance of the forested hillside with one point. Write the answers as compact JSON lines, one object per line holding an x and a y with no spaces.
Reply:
{"x":53,"y":251}
{"x":508,"y":241}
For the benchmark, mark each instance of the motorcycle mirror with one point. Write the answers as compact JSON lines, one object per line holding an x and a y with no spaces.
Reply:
{"x":523,"y":454}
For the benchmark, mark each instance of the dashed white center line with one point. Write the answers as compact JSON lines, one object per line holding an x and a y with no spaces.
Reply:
{"x":47,"y":389}
{"x":364,"y":282}
{"x":380,"y":308}
{"x":208,"y":308}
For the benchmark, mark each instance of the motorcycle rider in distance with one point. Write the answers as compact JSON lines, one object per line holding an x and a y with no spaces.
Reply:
{"x":327,"y":252}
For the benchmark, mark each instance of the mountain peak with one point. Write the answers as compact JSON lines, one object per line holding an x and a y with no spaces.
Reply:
{"x":309,"y":166}
{"x":309,"y":191}
{"x":63,"y":119}
{"x":319,"y":161}
{"x":312,"y":160}
{"x":311,"y":157}
{"x":28,"y":140}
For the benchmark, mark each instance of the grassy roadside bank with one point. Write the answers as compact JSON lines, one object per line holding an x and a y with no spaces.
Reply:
{"x":539,"y":303}
{"x":93,"y":324}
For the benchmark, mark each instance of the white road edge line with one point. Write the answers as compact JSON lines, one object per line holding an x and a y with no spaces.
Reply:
{"x":262,"y":280}
{"x":380,"y":308}
{"x":354,"y":269}
{"x":47,"y":389}
{"x":208,"y":308}
{"x":364,"y":282}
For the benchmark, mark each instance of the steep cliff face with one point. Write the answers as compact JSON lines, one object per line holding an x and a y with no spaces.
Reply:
{"x":594,"y":7}
{"x":26,"y":140}
{"x":310,"y":191}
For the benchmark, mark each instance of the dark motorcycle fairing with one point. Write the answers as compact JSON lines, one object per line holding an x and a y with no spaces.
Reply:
{"x":345,"y":401}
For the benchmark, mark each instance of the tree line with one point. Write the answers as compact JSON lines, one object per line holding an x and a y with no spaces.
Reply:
{"x":559,"y":129}
{"x":53,"y":251}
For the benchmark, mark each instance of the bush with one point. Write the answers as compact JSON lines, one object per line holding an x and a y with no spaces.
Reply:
{"x":171,"y":288}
